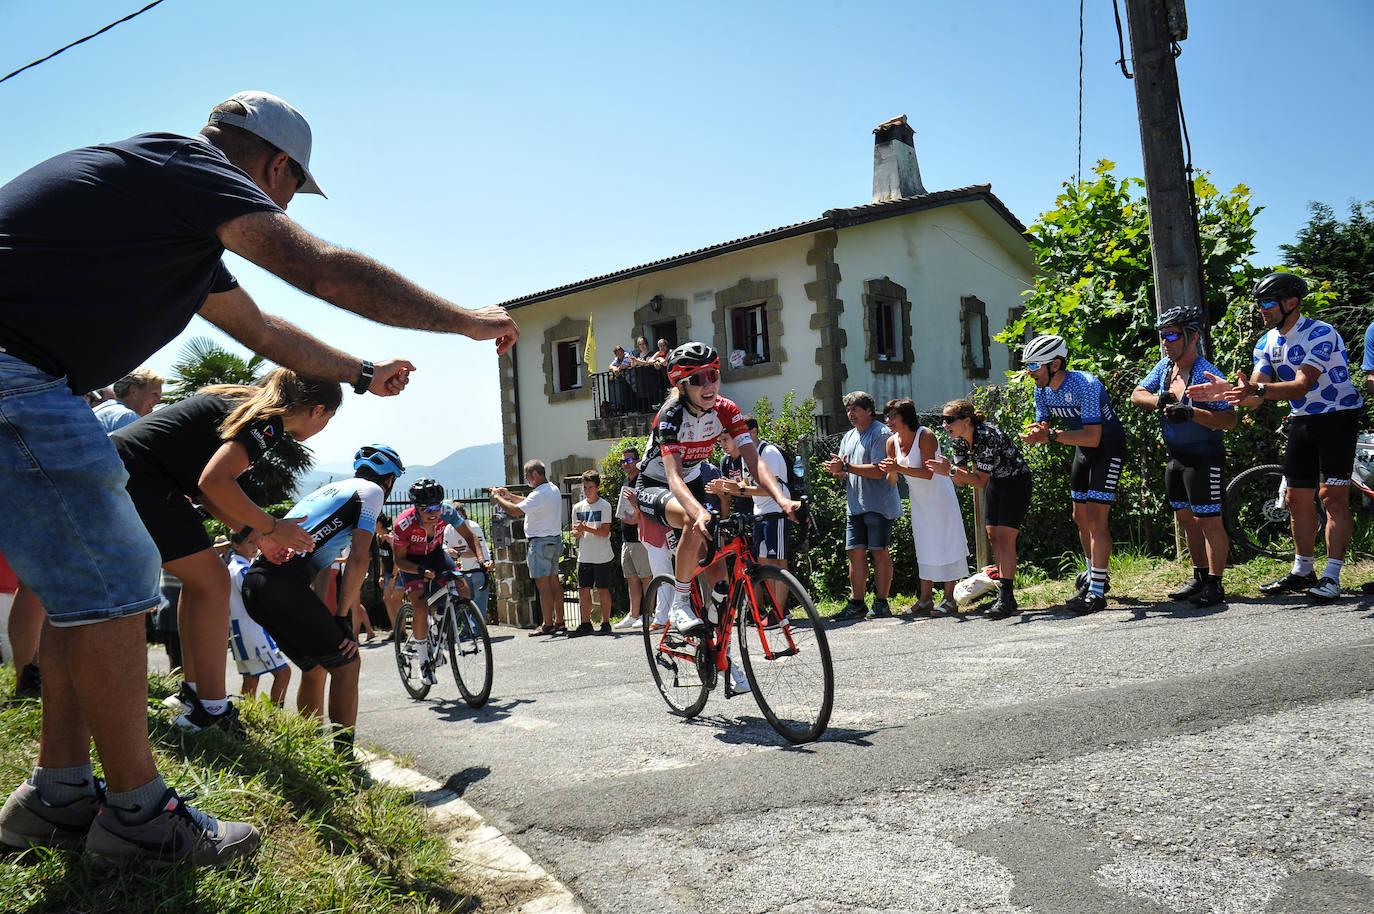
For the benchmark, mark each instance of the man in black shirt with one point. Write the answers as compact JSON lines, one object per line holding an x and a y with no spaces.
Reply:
{"x":137,"y":228}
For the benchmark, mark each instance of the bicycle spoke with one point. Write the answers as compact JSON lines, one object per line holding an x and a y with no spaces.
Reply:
{"x":786,"y":655}
{"x":672,"y":658}
{"x":407,"y":661}
{"x":469,"y":650}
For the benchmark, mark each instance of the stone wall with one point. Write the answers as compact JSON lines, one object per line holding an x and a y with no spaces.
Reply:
{"x":513,"y":595}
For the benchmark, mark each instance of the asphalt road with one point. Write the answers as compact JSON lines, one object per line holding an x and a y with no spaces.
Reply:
{"x":1214,"y":760}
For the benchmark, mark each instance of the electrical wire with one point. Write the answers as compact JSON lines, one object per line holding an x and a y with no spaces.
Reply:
{"x":1078,"y":175}
{"x":1121,"y":43}
{"x":79,"y":41}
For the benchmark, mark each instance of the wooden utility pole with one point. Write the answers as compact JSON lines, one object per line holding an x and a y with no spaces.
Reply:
{"x":1155,"y":25}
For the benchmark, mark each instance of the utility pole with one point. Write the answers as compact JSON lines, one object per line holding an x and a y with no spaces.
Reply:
{"x":1155,"y":26}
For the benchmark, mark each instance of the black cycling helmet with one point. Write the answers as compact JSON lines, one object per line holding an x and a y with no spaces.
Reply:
{"x":689,"y":358}
{"x":378,"y":460}
{"x":1279,"y":286}
{"x":425,"y":492}
{"x":1185,"y":317}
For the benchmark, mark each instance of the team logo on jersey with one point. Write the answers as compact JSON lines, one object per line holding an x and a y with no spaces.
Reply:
{"x":1322,"y":351}
{"x":1296,"y":353}
{"x":1339,"y":374}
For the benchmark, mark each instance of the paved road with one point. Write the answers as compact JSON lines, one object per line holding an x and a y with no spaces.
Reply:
{"x":1194,"y":761}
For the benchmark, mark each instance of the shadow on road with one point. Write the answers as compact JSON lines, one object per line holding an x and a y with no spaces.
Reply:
{"x":451,"y":709}
{"x":459,"y":781}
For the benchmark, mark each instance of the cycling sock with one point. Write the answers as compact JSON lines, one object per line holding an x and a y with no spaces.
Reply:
{"x":682,"y":593}
{"x":422,"y":651}
{"x":1333,"y":569}
{"x":1199,"y":574}
{"x":1213,"y":579}
{"x":1097,"y":581}
{"x":215,"y":706}
{"x":1302,"y":564}
{"x":60,"y":786}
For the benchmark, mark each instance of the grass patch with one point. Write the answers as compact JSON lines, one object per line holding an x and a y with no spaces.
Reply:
{"x":327,"y":845}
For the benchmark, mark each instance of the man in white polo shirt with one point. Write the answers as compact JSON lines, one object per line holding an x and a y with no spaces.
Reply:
{"x":543,"y":513}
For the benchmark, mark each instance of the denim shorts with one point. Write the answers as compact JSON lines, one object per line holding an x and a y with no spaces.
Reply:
{"x":869,"y":530}
{"x":71,"y":532}
{"x":543,"y":556}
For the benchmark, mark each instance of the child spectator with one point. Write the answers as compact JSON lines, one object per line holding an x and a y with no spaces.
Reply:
{"x":592,"y":527}
{"x":254,"y":651}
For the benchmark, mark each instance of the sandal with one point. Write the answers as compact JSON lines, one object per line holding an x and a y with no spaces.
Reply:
{"x":920,"y":608}
{"x":944,"y":609}
{"x":548,"y":630}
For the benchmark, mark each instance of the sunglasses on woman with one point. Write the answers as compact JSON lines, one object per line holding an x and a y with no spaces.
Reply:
{"x":702,"y":378}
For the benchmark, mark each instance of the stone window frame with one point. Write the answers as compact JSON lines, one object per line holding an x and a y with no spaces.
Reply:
{"x":885,"y":290}
{"x":657,"y":310}
{"x":1014,"y":362}
{"x":565,"y":330}
{"x":749,"y":292}
{"x":971,"y":306}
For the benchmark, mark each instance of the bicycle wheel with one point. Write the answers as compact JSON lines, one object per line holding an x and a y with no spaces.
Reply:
{"x":672,"y":658}
{"x":1256,"y":515}
{"x":407,"y":664}
{"x":786,"y":656}
{"x":469,"y":650}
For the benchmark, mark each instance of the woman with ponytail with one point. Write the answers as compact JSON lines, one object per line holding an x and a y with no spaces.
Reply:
{"x":194,"y":451}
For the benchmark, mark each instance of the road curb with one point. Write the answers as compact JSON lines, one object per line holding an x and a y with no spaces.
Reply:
{"x":477,"y":846}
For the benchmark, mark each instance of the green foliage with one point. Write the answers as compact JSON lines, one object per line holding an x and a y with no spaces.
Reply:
{"x":795,"y":424}
{"x":1341,"y":256}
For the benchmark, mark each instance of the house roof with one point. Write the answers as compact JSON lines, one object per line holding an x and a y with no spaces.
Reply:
{"x":831,"y":219}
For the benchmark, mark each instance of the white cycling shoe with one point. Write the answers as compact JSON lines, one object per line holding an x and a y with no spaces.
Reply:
{"x":686,"y":621}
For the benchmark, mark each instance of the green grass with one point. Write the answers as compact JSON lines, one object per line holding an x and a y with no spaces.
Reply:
{"x":327,"y":846}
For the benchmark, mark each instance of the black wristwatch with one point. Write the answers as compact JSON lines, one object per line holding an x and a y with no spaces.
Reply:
{"x":364,"y":381}
{"x":1052,"y":435}
{"x":1260,"y":388}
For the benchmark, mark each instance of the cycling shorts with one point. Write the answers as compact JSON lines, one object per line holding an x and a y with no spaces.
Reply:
{"x":1193,"y":483}
{"x":1006,"y":500}
{"x":654,"y":497}
{"x":280,"y":599}
{"x":437,"y":561}
{"x":1321,"y":449}
{"x":1096,"y":472}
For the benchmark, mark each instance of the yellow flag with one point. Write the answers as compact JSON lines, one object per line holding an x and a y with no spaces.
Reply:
{"x":589,"y":351}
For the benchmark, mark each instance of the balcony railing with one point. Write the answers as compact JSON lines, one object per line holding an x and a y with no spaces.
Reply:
{"x":632,"y":392}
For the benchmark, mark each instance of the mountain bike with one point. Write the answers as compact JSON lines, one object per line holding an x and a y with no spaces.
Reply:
{"x":456,"y":627}
{"x":782,"y":641}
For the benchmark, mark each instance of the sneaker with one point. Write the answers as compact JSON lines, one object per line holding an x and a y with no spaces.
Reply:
{"x":629,"y":623}
{"x":30,"y":682}
{"x":197,"y":719}
{"x":1189,"y":590}
{"x":182,"y":701}
{"x":686,"y":621}
{"x":1211,"y":594}
{"x":1094,"y":603}
{"x":177,"y":834}
{"x":1326,"y":590}
{"x":27,"y":820}
{"x":854,"y":609}
{"x":604,"y":629}
{"x":1290,"y":583}
{"x":582,"y":630}
{"x":880,"y":610}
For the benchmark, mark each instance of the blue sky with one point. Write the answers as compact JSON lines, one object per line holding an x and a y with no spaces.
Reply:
{"x":489,"y":151}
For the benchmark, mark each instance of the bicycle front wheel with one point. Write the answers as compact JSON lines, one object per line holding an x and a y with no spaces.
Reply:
{"x":786,"y":656}
{"x":469,"y":651}
{"x":407,"y":663}
{"x":672,"y":658}
{"x":1257,"y":515}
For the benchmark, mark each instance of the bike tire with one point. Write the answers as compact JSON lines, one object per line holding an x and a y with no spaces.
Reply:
{"x":1256,"y":520}
{"x":469,"y":651}
{"x":672,"y":658}
{"x":788,"y":665}
{"x":403,"y":638}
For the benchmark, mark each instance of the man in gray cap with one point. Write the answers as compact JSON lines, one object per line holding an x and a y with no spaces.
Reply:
{"x":137,"y":228}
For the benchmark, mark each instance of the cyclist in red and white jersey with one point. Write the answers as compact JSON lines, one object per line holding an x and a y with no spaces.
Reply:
{"x":684,"y":434}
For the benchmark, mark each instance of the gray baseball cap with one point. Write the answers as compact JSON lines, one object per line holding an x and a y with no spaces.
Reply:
{"x":279,"y":124}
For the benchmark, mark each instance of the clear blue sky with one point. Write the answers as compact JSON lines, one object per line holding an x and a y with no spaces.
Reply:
{"x":488,"y":150}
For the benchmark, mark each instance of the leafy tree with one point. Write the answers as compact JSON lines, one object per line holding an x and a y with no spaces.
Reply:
{"x":203,"y":362}
{"x":1340,"y":255}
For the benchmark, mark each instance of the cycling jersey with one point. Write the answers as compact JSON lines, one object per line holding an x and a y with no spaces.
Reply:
{"x":1080,"y":400}
{"x":1188,"y":437}
{"x":410,"y":537}
{"x":1316,"y":343}
{"x":691,"y":438}
{"x":332,"y":513}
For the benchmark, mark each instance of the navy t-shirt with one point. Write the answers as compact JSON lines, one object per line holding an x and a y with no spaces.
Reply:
{"x":107,"y":252}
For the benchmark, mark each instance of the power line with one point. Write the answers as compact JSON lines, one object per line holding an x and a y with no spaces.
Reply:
{"x":79,"y":41}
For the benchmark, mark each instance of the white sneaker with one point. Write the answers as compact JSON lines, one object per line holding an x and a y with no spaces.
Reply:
{"x":686,"y":621}
{"x":627,"y":623}
{"x":738,"y":681}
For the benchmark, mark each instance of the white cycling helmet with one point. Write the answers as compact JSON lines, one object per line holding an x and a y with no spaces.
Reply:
{"x":1044,"y":348}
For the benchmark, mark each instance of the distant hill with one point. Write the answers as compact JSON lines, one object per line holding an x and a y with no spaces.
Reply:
{"x":466,"y":468}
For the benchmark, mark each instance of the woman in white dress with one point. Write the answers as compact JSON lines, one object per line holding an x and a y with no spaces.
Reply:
{"x":937,"y":527}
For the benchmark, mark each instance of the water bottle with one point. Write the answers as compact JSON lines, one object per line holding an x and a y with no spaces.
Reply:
{"x":717,"y":604}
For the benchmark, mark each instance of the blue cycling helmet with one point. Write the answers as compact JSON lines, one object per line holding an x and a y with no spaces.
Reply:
{"x":379,"y":460}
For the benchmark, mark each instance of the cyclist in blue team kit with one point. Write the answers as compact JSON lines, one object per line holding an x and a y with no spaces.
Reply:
{"x":277,"y":593}
{"x":1192,"y":431}
{"x":1090,"y":424}
{"x":1303,"y":360}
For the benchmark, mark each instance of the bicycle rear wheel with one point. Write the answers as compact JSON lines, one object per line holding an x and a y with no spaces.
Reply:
{"x":469,"y":650}
{"x":1256,"y":515}
{"x":407,"y":663}
{"x":672,"y":657}
{"x":786,"y":656}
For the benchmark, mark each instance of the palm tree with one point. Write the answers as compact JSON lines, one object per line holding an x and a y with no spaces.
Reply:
{"x":203,"y":362}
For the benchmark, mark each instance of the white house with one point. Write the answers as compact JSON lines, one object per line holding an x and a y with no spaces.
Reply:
{"x":899,"y":297}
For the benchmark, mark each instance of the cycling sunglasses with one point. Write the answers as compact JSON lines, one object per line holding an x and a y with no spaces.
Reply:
{"x":1033,"y":366}
{"x":432,"y":508}
{"x":1267,"y":303}
{"x":1170,"y":336}
{"x":630,"y":460}
{"x":704,"y":377}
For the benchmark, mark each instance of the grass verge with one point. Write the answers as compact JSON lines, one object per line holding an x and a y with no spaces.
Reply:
{"x":327,"y":845}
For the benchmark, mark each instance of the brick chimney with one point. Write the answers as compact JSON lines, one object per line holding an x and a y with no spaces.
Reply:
{"x":896,"y":173}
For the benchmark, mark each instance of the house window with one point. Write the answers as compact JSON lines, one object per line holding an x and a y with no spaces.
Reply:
{"x":884,"y":323}
{"x":1014,"y":347}
{"x":567,"y":358}
{"x":749,"y":332}
{"x":973,"y":323}
{"x":887,"y":327}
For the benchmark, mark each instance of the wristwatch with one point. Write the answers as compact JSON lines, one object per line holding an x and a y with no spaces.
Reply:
{"x":364,"y":381}
{"x":1260,"y":388}
{"x":1053,"y":435}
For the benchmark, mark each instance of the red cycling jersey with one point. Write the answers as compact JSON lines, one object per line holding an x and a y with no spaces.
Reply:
{"x":410,"y":537}
{"x":692,"y":438}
